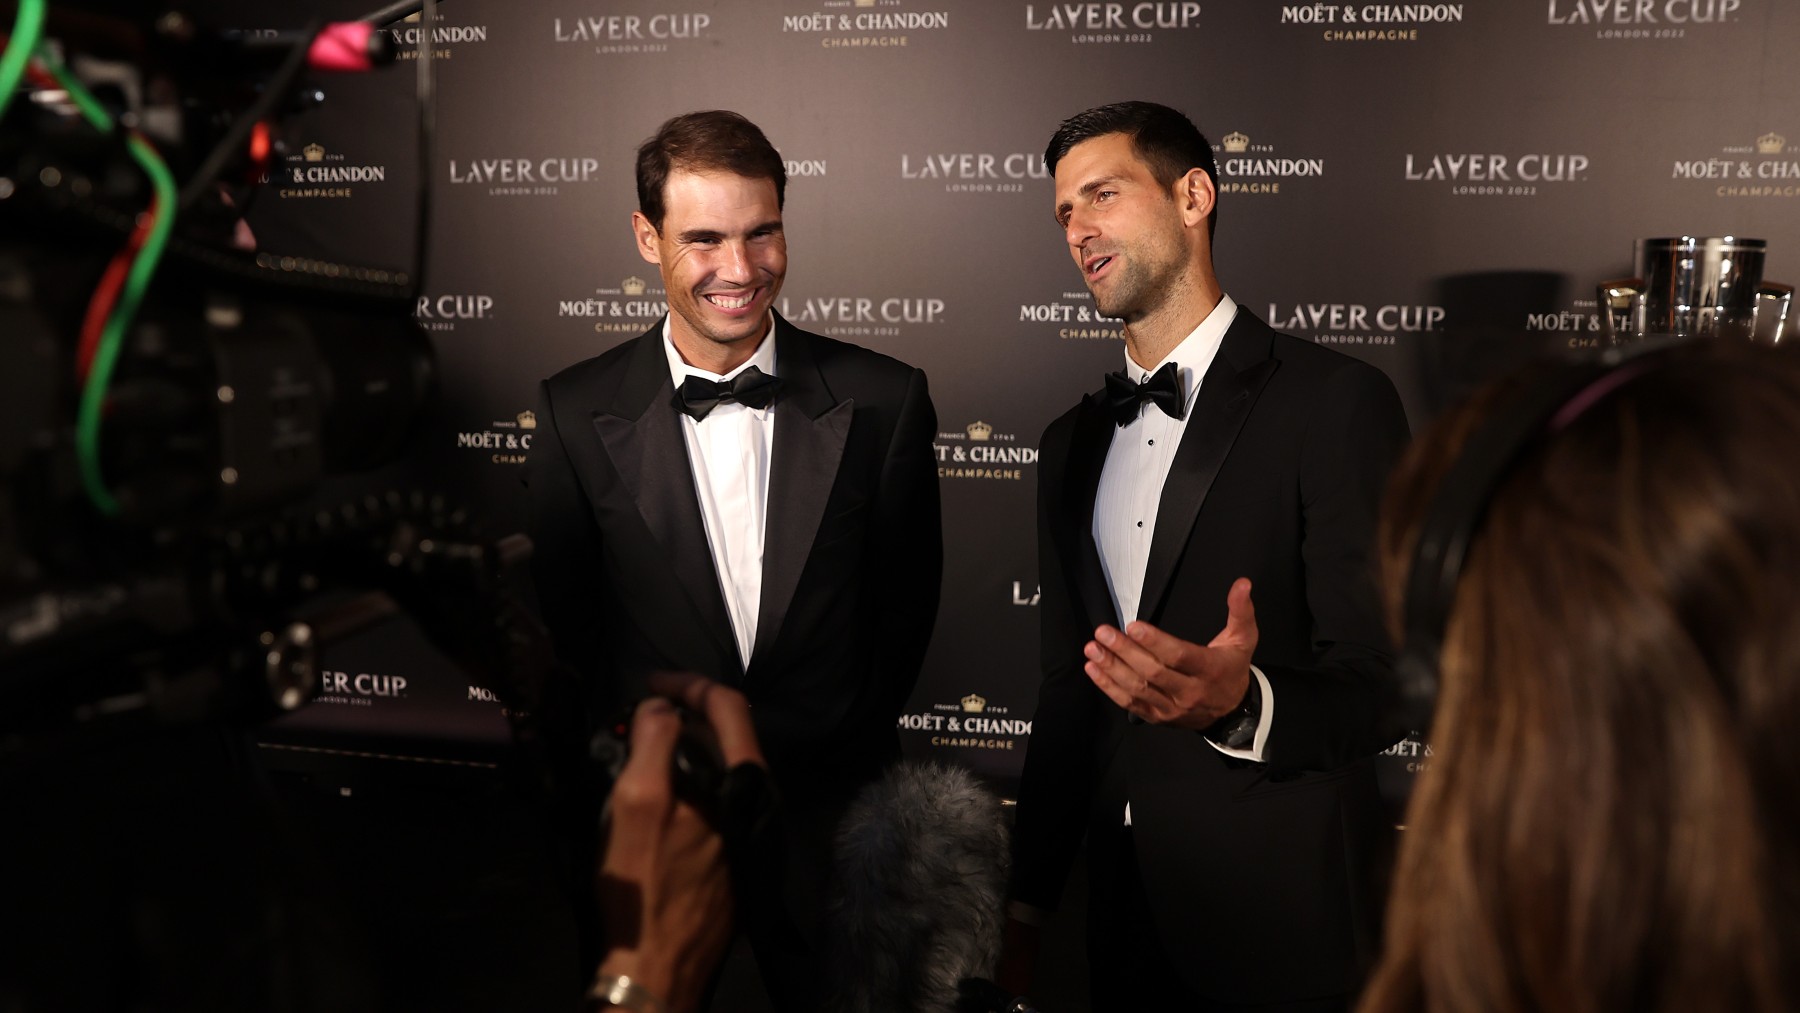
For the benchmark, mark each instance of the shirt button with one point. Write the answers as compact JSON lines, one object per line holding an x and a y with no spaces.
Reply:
{"x":1151,"y":442}
{"x":1140,"y":524}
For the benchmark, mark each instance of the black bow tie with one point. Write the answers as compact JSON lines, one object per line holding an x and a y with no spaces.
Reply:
{"x":753,"y":388}
{"x":1162,"y":388}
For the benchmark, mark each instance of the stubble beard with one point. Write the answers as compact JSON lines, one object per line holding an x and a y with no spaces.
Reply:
{"x":1141,"y":287}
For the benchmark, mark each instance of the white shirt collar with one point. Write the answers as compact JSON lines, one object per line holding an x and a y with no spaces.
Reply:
{"x":1195,"y":352}
{"x":763,"y":359}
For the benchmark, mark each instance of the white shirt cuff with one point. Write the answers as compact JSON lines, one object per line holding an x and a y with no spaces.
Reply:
{"x":1261,"y":738}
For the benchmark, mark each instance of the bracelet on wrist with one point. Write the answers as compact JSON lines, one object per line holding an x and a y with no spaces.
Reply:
{"x":616,"y":991}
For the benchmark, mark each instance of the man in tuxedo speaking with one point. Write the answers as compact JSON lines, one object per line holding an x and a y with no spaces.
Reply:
{"x":730,"y":495}
{"x":1215,"y":671}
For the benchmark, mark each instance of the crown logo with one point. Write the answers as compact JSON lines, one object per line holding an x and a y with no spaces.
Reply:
{"x":314,"y":152}
{"x":632,"y":286}
{"x":973,"y":704}
{"x":980,"y":431}
{"x":527,"y":419}
{"x":1236,"y":142}
{"x":1771,"y":143}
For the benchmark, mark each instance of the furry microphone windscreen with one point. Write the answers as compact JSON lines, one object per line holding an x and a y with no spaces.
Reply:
{"x":919,"y":893}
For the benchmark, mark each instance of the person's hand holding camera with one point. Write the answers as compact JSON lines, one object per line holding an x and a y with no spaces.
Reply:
{"x":665,"y":886}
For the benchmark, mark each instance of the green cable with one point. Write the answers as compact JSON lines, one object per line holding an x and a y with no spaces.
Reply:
{"x":27,"y":29}
{"x":137,"y":280}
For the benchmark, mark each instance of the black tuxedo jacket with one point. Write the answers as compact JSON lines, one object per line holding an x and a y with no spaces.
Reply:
{"x":852,"y":546}
{"x":1264,"y":878}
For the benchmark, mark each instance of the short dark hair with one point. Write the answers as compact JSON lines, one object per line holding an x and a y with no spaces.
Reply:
{"x":716,"y":140}
{"x":1166,"y":140}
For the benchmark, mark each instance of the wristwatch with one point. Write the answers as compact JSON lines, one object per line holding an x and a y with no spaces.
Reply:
{"x":1237,"y":729}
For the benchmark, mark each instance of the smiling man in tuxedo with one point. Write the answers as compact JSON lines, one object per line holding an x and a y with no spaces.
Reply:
{"x":730,"y":495}
{"x":1215,"y":670}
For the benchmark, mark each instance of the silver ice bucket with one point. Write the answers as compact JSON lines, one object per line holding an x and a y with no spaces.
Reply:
{"x":1695,"y":287}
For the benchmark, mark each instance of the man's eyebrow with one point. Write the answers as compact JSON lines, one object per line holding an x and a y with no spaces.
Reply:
{"x":714,"y":235}
{"x":1094,"y":184}
{"x":1087,"y":189}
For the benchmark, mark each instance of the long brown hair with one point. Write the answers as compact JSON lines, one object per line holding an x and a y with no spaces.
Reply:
{"x":1609,"y":820}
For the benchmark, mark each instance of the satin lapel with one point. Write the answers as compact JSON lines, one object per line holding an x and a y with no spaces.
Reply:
{"x":1088,"y":446}
{"x":641,"y":431}
{"x":811,"y":428}
{"x":1227,"y":393}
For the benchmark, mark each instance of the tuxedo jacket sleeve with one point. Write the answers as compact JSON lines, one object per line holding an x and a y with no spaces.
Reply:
{"x":566,"y":558}
{"x":1341,"y":706}
{"x":1066,"y":755}
{"x":907,"y":557}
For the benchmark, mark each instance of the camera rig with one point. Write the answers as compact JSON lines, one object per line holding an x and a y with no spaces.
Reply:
{"x":180,"y":404}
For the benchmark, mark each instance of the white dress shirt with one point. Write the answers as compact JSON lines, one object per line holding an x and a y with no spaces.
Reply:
{"x":1131,"y":484}
{"x":728,"y":453}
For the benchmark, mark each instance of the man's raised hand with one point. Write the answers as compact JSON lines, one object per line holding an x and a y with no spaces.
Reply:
{"x":1166,"y":680}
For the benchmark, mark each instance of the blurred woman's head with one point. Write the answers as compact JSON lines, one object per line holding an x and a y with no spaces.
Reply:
{"x":1610,"y":818}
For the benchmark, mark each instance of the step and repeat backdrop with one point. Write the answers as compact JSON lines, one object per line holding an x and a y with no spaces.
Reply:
{"x":1433,"y":187}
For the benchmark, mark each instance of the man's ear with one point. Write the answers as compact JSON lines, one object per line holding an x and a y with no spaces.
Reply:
{"x":646,"y":236}
{"x":1195,"y":195}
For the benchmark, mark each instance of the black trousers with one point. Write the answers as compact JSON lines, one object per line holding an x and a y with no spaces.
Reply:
{"x":783,"y":919}
{"x":1129,"y":969}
